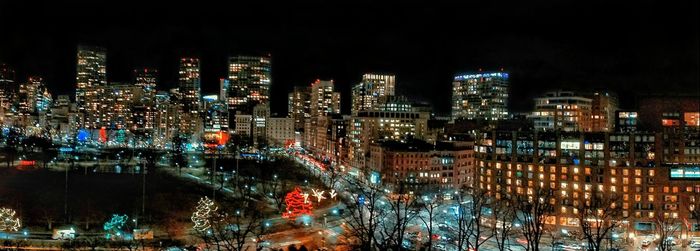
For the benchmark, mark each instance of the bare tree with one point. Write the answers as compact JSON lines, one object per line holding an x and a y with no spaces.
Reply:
{"x":428,"y":206}
{"x":232,"y":230}
{"x":598,"y":217}
{"x":532,"y":212}
{"x":666,"y":227}
{"x":401,"y":211}
{"x":276,"y":190}
{"x":472,"y":208}
{"x":504,"y":215}
{"x":365,"y":214}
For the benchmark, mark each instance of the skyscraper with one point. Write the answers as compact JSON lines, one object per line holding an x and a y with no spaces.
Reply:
{"x":299,"y":106}
{"x":91,"y":73}
{"x":190,"y":85}
{"x":372,"y":87}
{"x":7,"y":86}
{"x":190,"y":95}
{"x":482,"y":95}
{"x":250,"y":78}
{"x":28,"y":93}
{"x":146,"y":79}
{"x":324,"y":100}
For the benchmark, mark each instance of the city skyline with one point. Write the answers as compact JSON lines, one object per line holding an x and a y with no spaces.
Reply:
{"x":582,"y":50}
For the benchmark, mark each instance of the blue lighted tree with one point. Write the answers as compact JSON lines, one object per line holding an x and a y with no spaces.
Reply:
{"x":116,"y":226}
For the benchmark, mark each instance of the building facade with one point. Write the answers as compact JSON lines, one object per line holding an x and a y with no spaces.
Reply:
{"x":372,"y":87}
{"x":91,"y":78}
{"x":576,"y":166}
{"x":482,"y":95}
{"x":562,"y":110}
{"x":419,"y":166}
{"x":250,"y":78}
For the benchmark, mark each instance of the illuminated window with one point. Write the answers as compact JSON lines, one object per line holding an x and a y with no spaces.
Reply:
{"x":651,"y":173}
{"x":650,"y":198}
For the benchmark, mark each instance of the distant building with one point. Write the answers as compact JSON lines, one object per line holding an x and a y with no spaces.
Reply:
{"x":562,"y":110}
{"x":626,"y":121}
{"x":216,"y":115}
{"x":190,"y":96}
{"x":418,"y":166}
{"x":299,"y":106}
{"x":146,"y":79}
{"x":250,"y":78}
{"x":280,"y":131}
{"x":7,"y":88}
{"x":243,"y":125}
{"x":482,"y":96}
{"x":261,"y":113}
{"x":91,"y":78}
{"x":372,"y":87}
{"x":324,"y":99}
{"x":392,"y":120}
{"x":649,"y":177}
{"x":603,"y":108}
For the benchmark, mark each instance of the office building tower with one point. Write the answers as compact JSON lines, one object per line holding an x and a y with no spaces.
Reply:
{"x":250,"y":78}
{"x":562,"y":110}
{"x":603,"y":108}
{"x":372,"y":87}
{"x":7,"y":87}
{"x":299,"y":106}
{"x":384,"y":123}
{"x":146,"y":79}
{"x":224,"y":85}
{"x":324,"y":100}
{"x":190,"y":85}
{"x":482,"y":96}
{"x":190,"y":96}
{"x":28,"y":93}
{"x":91,"y":76}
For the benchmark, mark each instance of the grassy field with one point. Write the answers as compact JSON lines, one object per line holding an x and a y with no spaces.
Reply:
{"x":38,"y":197}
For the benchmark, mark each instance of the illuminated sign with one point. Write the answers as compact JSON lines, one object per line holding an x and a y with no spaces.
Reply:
{"x":687,"y":172}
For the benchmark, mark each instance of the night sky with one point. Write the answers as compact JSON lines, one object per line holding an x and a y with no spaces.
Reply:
{"x":627,"y":47}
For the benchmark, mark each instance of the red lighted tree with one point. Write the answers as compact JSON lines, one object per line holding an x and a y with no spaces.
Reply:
{"x":296,"y":204}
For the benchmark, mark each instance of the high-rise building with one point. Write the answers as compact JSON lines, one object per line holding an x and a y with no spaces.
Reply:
{"x":372,"y":87}
{"x":562,"y":110}
{"x":299,"y":106}
{"x":224,"y":85}
{"x":146,"y":79}
{"x":90,"y":78}
{"x":28,"y":93}
{"x":395,"y":119}
{"x":190,"y":96}
{"x":603,"y":108}
{"x":250,"y":78}
{"x":119,"y":102}
{"x":190,"y":85}
{"x":261,"y":113}
{"x":324,"y":100}
{"x":482,"y":96}
{"x":7,"y":87}
{"x":216,"y":116}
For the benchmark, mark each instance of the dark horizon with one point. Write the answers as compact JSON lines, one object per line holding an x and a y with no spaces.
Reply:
{"x":646,"y":47}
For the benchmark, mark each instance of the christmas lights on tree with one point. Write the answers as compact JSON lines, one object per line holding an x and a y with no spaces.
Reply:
{"x":297,"y":204}
{"x":203,"y":214}
{"x":115,"y":226}
{"x":8,"y":221}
